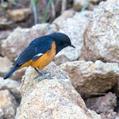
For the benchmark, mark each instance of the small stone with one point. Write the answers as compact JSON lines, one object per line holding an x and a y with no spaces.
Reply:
{"x":4,"y":34}
{"x":18,"y":15}
{"x":5,"y":24}
{"x":5,"y":65}
{"x":12,"y":86}
{"x":79,"y":4}
{"x":109,"y":115}
{"x":8,"y":105}
{"x":102,"y":104}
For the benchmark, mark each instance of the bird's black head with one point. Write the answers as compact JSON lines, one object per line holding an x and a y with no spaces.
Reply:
{"x":61,"y":40}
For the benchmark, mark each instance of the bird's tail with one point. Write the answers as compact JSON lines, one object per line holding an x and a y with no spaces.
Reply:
{"x":12,"y":70}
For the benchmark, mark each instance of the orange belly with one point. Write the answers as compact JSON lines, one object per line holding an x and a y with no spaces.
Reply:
{"x":44,"y":60}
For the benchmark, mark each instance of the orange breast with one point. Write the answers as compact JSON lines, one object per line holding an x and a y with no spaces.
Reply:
{"x":44,"y":60}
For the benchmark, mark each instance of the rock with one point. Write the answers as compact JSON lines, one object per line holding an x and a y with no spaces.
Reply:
{"x":12,"y":86}
{"x":18,"y":15}
{"x":65,"y":15}
{"x":8,"y":105}
{"x":61,"y":59}
{"x":74,"y":27}
{"x":116,"y":89}
{"x":4,"y":65}
{"x":101,"y":36}
{"x":4,"y":34}
{"x":52,"y":98}
{"x":92,"y":78}
{"x":102,"y":104}
{"x":5,"y":24}
{"x":79,"y":4}
{"x":49,"y":74}
{"x":117,"y":116}
{"x":109,"y":115}
{"x":84,"y":4}
{"x":18,"y":74}
{"x":20,"y":38}
{"x":95,"y":1}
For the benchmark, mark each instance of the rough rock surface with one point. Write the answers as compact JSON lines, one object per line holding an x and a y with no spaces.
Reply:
{"x":51,"y":98}
{"x":12,"y":86}
{"x":5,"y":24}
{"x":92,"y":78}
{"x":20,"y":38}
{"x":8,"y":105}
{"x":83,"y":4}
{"x":74,"y":27}
{"x":102,"y":104}
{"x":117,"y":116}
{"x":5,"y":65}
{"x":65,"y":15}
{"x":101,"y":37}
{"x":79,"y":4}
{"x":18,"y":15}
{"x":109,"y":115}
{"x":4,"y":34}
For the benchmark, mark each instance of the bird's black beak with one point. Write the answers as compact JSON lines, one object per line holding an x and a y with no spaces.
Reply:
{"x":72,"y":46}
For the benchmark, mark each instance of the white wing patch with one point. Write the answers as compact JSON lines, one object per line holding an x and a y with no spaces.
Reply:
{"x":37,"y":56}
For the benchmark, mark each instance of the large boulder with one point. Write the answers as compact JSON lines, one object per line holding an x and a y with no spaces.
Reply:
{"x":101,"y":39}
{"x":74,"y":26}
{"x":51,"y":96}
{"x":92,"y":78}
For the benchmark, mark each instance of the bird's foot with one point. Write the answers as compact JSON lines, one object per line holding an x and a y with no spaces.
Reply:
{"x":42,"y":75}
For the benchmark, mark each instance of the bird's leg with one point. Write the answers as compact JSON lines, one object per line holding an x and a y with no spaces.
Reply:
{"x":42,"y":75}
{"x":39,"y":73}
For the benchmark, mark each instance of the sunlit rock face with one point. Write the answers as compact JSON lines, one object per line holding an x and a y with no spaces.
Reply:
{"x":101,"y":38}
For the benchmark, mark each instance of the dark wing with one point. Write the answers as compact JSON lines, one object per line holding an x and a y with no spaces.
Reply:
{"x":36,"y":48}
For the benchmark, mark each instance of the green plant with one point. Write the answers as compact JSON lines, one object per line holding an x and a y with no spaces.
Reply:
{"x":34,"y":8}
{"x":49,"y":4}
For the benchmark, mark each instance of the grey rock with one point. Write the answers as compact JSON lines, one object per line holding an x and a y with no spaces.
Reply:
{"x":11,"y":85}
{"x":109,"y":115}
{"x":101,"y":36}
{"x":92,"y":78}
{"x":8,"y":105}
{"x":51,"y":98}
{"x":5,"y":24}
{"x":4,"y":34}
{"x":5,"y":65}
{"x":102,"y":104}
{"x":80,"y":4}
{"x":74,"y":27}
{"x":18,"y":15}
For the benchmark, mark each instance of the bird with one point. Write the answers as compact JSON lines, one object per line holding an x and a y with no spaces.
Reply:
{"x":40,"y":52}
